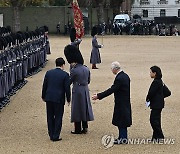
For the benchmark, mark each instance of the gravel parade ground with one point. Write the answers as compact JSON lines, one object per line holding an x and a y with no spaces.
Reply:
{"x":23,"y":126}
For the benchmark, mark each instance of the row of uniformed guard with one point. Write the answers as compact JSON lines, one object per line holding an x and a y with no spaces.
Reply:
{"x":21,"y":55}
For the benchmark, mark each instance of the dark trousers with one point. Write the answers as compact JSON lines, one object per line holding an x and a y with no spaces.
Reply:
{"x":122,"y":133}
{"x":54,"y":119}
{"x":155,"y":120}
{"x":78,"y":127}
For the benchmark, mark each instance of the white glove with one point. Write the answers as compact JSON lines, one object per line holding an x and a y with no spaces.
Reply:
{"x":79,"y":40}
{"x":102,"y":46}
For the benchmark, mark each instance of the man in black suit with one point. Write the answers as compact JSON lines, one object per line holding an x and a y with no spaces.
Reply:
{"x":122,"y":110}
{"x":55,"y":86}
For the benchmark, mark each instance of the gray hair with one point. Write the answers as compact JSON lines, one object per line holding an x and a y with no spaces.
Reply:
{"x":115,"y":65}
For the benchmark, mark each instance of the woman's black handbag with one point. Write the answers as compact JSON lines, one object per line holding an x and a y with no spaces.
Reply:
{"x":166,"y":91}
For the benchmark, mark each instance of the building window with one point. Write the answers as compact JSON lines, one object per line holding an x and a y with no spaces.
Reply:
{"x":162,"y":13}
{"x":177,"y":1}
{"x":144,"y":2}
{"x":162,"y":2}
{"x":178,"y":12}
{"x":145,"y":13}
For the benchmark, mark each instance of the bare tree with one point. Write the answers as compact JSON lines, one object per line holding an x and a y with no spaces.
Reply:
{"x":17,"y":5}
{"x":115,"y":4}
{"x":100,"y":4}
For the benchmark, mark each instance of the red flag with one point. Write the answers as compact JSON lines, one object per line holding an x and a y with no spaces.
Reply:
{"x":78,"y":19}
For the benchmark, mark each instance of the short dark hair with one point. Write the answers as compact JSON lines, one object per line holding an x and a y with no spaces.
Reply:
{"x":157,"y":70}
{"x":60,"y":61}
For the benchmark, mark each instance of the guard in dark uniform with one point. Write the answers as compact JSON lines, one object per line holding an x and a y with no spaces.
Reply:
{"x":47,"y":40}
{"x":81,"y":109}
{"x":73,"y":39}
{"x":20,"y":54}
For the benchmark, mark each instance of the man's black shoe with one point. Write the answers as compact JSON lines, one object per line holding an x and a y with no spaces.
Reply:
{"x":57,"y":139}
{"x":74,"y":132}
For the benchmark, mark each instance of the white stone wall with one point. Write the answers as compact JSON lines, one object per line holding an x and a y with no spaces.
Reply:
{"x":154,"y":8}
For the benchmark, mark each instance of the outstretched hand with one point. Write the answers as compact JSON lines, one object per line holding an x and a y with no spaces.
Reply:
{"x":94,"y":97}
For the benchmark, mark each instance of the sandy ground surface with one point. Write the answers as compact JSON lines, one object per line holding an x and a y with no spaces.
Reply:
{"x":23,"y":127}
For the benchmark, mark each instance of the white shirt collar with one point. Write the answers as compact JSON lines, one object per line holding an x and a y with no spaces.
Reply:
{"x":119,"y":72}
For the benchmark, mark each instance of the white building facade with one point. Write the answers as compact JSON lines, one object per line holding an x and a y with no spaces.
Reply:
{"x":148,"y":9}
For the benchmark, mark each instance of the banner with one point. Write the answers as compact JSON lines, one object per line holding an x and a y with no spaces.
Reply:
{"x":78,"y":19}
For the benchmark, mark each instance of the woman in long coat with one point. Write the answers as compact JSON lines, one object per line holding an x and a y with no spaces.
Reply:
{"x":95,"y":54}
